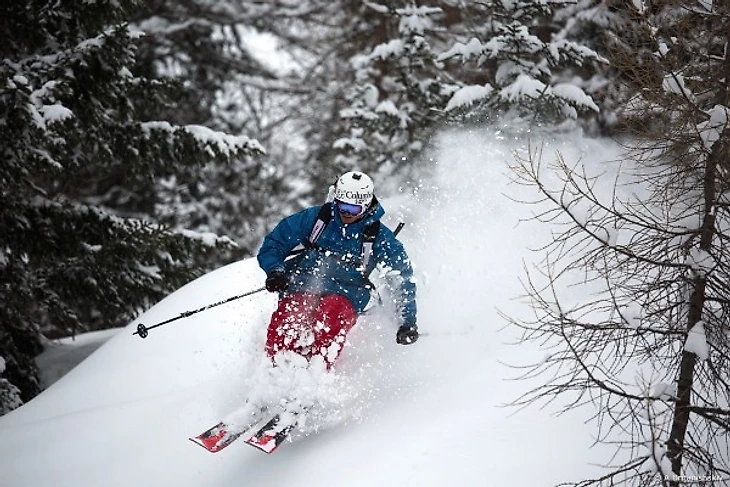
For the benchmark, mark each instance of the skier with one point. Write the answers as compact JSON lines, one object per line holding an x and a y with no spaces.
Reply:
{"x":324,"y":288}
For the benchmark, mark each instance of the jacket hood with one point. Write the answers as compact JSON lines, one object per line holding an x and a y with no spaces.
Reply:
{"x":375,"y":212}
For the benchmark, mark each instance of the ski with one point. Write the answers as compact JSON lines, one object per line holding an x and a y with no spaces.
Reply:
{"x":272,"y":434}
{"x":216,"y":438}
{"x":267,"y":438}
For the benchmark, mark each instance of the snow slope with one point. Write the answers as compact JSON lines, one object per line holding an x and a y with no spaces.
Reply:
{"x":60,"y":356}
{"x":429,"y":414}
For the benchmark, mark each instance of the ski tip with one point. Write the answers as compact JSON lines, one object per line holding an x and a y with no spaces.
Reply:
{"x":269,"y":438}
{"x":211,"y":446}
{"x":266,"y":444}
{"x":197,"y":441}
{"x":216,"y":438}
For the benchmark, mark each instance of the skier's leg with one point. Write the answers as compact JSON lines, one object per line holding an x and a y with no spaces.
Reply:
{"x":290,"y":319}
{"x":333,"y":319}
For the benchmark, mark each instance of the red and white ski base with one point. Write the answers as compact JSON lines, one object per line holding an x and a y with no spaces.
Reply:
{"x":216,"y":438}
{"x":267,"y":438}
{"x":271,"y":435}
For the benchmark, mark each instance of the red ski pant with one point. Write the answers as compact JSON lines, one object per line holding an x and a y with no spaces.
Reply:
{"x":310,"y":325}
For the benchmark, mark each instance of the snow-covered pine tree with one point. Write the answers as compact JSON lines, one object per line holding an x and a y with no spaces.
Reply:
{"x":9,"y":393}
{"x":600,"y":26}
{"x":337,"y":31}
{"x":223,"y":83}
{"x":398,"y":95}
{"x":523,"y":60}
{"x":202,"y":44}
{"x":81,"y":143}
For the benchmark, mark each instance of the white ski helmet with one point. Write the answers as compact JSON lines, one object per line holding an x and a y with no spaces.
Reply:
{"x":355,"y":190}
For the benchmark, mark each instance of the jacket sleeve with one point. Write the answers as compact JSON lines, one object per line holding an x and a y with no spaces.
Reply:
{"x":289,"y":233}
{"x":392,"y":254}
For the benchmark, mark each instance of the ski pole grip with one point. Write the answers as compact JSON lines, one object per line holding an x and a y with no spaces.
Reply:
{"x":142,"y":331}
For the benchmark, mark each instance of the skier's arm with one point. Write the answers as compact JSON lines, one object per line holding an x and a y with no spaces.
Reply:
{"x":393,"y":255}
{"x":289,"y":233}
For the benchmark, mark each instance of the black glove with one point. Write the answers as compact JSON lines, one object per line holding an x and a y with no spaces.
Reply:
{"x":276,"y":281}
{"x":407,"y":334}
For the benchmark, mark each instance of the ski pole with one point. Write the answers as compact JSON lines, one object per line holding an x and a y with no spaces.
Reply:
{"x":143,"y":330}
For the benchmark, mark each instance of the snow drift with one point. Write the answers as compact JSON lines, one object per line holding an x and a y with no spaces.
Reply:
{"x":429,"y":414}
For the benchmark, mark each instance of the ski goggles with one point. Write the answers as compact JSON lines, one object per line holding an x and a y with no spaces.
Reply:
{"x":349,"y":209}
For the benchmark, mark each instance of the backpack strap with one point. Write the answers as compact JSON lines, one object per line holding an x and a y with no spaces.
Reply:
{"x":370,"y":234}
{"x":323,"y":218}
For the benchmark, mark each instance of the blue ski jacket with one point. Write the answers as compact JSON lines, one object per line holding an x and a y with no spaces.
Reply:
{"x":334,"y":264}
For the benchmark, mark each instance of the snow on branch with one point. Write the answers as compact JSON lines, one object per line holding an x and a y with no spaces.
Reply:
{"x":214,"y":141}
{"x":569,"y":50}
{"x":674,"y":83}
{"x":700,"y":261}
{"x":569,"y":96}
{"x":132,"y":225}
{"x":354,"y":143}
{"x":360,"y":113}
{"x":664,"y":391}
{"x":381,"y":9}
{"x":696,"y":342}
{"x":42,"y":104}
{"x":414,"y":20}
{"x":55,"y":113}
{"x":387,"y":107}
{"x":523,"y":87}
{"x":226,"y":143}
{"x":209,"y":239}
{"x":466,"y":51}
{"x":575,"y":96}
{"x":469,"y":95}
{"x":393,"y":48}
{"x":711,"y":130}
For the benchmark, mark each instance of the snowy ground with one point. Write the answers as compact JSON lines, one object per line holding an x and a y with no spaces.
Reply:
{"x":60,"y":356}
{"x":425,"y":415}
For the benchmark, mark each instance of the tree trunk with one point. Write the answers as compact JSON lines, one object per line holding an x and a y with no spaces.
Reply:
{"x":677,"y":435}
{"x":686,"y":368}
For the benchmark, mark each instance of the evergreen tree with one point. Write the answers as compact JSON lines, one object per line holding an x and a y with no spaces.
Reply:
{"x":523,"y":59}
{"x":397,"y":100}
{"x":600,"y":26}
{"x":81,"y":144}
{"x":209,"y":48}
{"x":9,"y":393}
{"x":203,"y":45}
